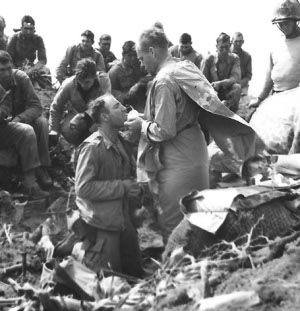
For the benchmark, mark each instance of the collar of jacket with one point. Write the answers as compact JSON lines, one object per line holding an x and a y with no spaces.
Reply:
{"x":103,"y":137}
{"x":89,"y":52}
{"x":227,"y":60}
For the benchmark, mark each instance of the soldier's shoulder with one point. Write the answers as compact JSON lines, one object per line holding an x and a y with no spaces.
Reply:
{"x":93,"y":140}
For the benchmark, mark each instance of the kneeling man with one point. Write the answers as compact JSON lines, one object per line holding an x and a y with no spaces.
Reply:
{"x":105,"y":184}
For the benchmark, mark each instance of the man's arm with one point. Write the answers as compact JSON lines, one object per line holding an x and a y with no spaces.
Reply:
{"x":5,"y":104}
{"x":61,"y":70}
{"x":87,"y":183}
{"x":235,"y":73}
{"x":33,"y":107}
{"x":268,"y":83}
{"x":208,"y":68}
{"x":11,"y":46}
{"x":100,"y":62}
{"x":41,"y":51}
{"x":198,"y":60}
{"x":58,"y":106}
{"x":104,"y":82}
{"x":248,"y":72}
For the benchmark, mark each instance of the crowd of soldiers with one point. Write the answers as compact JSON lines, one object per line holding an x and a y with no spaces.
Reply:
{"x":170,"y":90}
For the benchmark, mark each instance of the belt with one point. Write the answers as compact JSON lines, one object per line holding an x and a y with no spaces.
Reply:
{"x":187,"y":127}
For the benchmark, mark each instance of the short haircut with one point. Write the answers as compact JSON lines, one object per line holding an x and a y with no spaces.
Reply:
{"x":2,"y":20}
{"x":185,"y":38}
{"x":4,"y":57}
{"x":86,"y":68}
{"x":89,"y":35}
{"x":153,"y":38}
{"x":223,"y":38}
{"x":237,"y":34}
{"x":105,"y":37}
{"x":158,"y":25}
{"x":128,"y":47}
{"x":27,"y":19}
{"x":96,"y":107}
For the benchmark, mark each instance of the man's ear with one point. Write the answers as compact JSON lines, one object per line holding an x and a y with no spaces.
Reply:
{"x":103,"y":116}
{"x":152,"y":51}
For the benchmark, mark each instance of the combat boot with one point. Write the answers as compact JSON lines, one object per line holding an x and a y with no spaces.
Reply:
{"x":43,"y":177}
{"x":31,"y":187}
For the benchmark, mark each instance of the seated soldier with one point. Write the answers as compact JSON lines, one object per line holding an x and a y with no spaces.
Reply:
{"x":105,"y":185}
{"x":185,"y":50}
{"x":75,"y":53}
{"x":28,"y":130}
{"x":223,"y":71}
{"x":129,"y":80}
{"x":24,"y":47}
{"x":3,"y":37}
{"x":245,"y":61}
{"x":74,"y":96}
{"x":104,"y":49}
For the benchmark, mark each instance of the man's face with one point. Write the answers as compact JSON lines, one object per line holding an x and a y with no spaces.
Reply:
{"x":288,"y":27}
{"x":148,"y":61}
{"x":117,"y":113}
{"x":237,"y":42}
{"x":5,"y":73}
{"x":104,"y":45}
{"x":27,"y":30}
{"x":86,"y":83}
{"x":185,"y":48}
{"x":2,"y":24}
{"x":86,"y":43}
{"x":130,"y":58}
{"x":223,"y":49}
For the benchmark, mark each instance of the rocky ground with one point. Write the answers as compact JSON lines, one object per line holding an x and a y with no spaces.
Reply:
{"x":179,"y":285}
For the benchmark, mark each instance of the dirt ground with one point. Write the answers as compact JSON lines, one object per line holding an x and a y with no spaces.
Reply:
{"x":277,"y":283}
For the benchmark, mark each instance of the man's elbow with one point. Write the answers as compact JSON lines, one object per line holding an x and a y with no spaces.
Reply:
{"x":82,"y":190}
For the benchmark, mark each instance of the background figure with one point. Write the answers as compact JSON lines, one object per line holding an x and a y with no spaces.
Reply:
{"x":104,"y":49}
{"x":237,"y":42}
{"x":3,"y":37}
{"x":75,"y":53}
{"x":128,"y":79}
{"x":185,"y":50}
{"x":74,"y":96}
{"x":159,"y":26}
{"x":283,"y":72}
{"x":27,"y":132}
{"x":24,"y":47}
{"x":223,"y":71}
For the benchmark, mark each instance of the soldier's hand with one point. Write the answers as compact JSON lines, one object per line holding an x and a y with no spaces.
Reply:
{"x":16,"y":119}
{"x":53,"y":138}
{"x":216,"y":85}
{"x":134,"y":124}
{"x":255,"y":103}
{"x":133,"y":90}
{"x":132,"y":188}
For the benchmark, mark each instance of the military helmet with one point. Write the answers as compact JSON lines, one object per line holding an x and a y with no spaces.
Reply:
{"x":287,"y":9}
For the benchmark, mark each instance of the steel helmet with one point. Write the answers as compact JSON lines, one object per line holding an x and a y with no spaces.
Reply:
{"x":287,"y":9}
